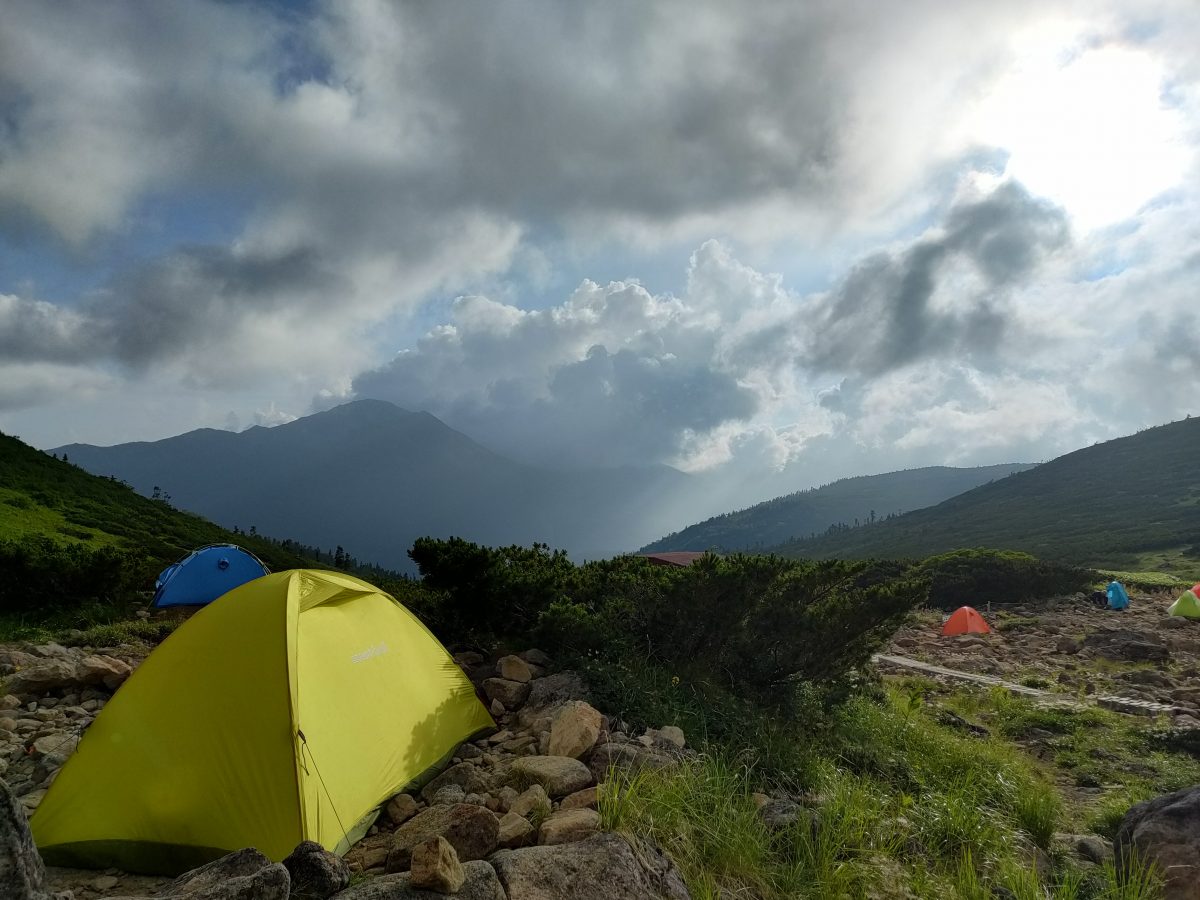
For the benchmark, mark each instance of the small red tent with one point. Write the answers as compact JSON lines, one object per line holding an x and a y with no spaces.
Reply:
{"x":965,"y":620}
{"x":1196,"y":588}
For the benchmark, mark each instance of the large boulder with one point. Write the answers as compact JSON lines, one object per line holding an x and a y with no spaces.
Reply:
{"x":574,"y":729}
{"x":533,"y":803}
{"x":1165,"y":831}
{"x":242,"y":875}
{"x":42,"y":677}
{"x":315,"y":872}
{"x":569,"y":825}
{"x":102,"y":670}
{"x":513,"y":668}
{"x":22,"y":874}
{"x":464,"y":775}
{"x":509,"y":693}
{"x":559,"y":775}
{"x":515,"y":831}
{"x":479,"y":883}
{"x":474,"y":832}
{"x":624,"y":759}
{"x":1122,"y":644}
{"x":552,"y":691}
{"x":435,"y":867}
{"x":603,"y":867}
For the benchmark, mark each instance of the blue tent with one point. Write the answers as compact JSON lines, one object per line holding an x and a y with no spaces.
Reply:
{"x":205,"y":574}
{"x":1117,"y":598}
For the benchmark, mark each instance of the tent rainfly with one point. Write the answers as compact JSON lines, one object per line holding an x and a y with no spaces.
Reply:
{"x":206,"y":574}
{"x":965,"y":620}
{"x":289,"y":711}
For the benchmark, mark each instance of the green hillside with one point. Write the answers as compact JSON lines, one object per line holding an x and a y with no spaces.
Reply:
{"x":1133,"y":502}
{"x":41,"y":496}
{"x":850,"y":500}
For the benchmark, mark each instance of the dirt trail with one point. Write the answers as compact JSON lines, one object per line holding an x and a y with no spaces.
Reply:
{"x":1108,"y":701}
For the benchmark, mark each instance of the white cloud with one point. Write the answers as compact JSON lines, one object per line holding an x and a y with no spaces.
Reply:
{"x":379,"y":155}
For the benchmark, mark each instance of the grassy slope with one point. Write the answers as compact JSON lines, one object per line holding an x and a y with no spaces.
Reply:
{"x":844,"y":501}
{"x":48,"y":497}
{"x":1125,"y":502}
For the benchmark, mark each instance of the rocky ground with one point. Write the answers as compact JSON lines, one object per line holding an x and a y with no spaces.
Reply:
{"x":513,"y":817}
{"x":1066,"y":645}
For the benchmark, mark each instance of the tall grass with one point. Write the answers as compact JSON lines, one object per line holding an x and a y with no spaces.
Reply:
{"x":893,"y":802}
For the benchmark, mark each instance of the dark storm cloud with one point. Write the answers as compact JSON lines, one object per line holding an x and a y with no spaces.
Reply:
{"x":33,"y":330}
{"x":202,"y":294}
{"x":883,"y":315}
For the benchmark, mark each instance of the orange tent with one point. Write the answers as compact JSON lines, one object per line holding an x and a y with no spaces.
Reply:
{"x":965,"y":620}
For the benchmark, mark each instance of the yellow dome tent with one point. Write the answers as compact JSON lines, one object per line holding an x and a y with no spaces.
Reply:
{"x":288,"y":710}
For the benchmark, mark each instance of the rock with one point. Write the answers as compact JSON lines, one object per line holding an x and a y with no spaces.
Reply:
{"x":242,"y":875}
{"x":513,"y":668}
{"x":536,"y":657}
{"x":552,"y":691}
{"x":464,"y":775}
{"x":779,"y":813}
{"x":497,"y":708}
{"x":559,"y":775}
{"x":1069,"y":645}
{"x":568,"y":825}
{"x":401,"y":808}
{"x":585,"y":799}
{"x":673,"y":735}
{"x":1093,"y":848}
{"x":22,"y":875}
{"x":8,"y":701}
{"x":435,"y":867}
{"x":532,"y":804}
{"x":1165,"y":831}
{"x":510,"y":693}
{"x":480,"y":883}
{"x":506,"y":795}
{"x":1131,"y":645}
{"x":104,"y":883}
{"x":468,"y":659}
{"x":315,"y":872}
{"x":14,"y":660}
{"x":42,"y":677}
{"x":448,"y":795}
{"x":624,"y":759}
{"x":574,"y":729}
{"x":953,"y":720}
{"x":105,"y":670}
{"x":515,"y":831}
{"x":55,"y":748}
{"x":1148,"y":676}
{"x":603,"y":867}
{"x":472,"y":830}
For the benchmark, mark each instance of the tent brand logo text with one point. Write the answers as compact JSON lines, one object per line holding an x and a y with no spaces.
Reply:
{"x":377,"y":650}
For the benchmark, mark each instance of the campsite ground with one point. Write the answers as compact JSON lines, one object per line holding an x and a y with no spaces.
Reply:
{"x":1077,"y":654}
{"x":1099,"y":761}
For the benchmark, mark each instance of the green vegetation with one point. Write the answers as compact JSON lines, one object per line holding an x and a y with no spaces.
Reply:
{"x":891,"y":805}
{"x":865,"y":499}
{"x":755,"y":626}
{"x":1148,"y":581}
{"x":1115,"y":503}
{"x":978,"y":577}
{"x":77,"y":549}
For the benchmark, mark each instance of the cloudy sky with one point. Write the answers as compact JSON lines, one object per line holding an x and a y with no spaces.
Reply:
{"x":819,"y":238}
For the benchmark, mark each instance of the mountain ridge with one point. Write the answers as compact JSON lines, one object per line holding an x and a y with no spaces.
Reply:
{"x":375,"y":477}
{"x":777,"y":520}
{"x":1118,"y":502}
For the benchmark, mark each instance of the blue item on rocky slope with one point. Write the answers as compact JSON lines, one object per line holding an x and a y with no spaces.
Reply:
{"x":1117,"y":598}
